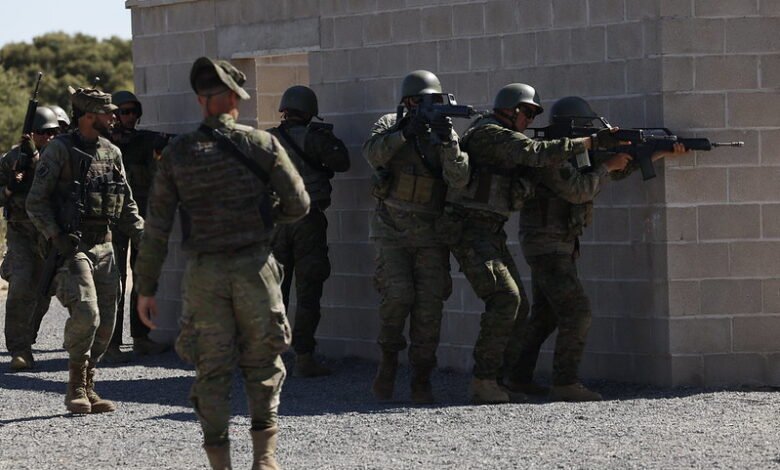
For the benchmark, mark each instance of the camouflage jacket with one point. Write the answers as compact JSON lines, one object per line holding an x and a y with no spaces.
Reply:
{"x":223,"y":204}
{"x":14,"y":205}
{"x":54,"y":177}
{"x":322,"y":146}
{"x":497,"y":155}
{"x":396,"y":222}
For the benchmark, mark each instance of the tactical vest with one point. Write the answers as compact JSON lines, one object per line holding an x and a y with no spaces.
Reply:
{"x":549,"y":213}
{"x":317,"y":182}
{"x":490,"y":189}
{"x":14,"y":209}
{"x":138,"y":157}
{"x":416,"y":185}
{"x":223,"y":204}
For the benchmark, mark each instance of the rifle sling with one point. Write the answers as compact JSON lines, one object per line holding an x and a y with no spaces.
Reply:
{"x":304,"y":156}
{"x":232,"y":149}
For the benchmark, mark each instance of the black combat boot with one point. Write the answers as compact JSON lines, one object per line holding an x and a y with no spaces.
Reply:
{"x":384,"y":382}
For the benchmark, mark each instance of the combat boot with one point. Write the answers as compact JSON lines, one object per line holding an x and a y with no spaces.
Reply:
{"x":114,"y":355}
{"x":486,"y":392}
{"x":307,"y":366}
{"x":422,"y":391}
{"x":219,"y":456}
{"x":573,"y":392}
{"x":144,"y":346}
{"x":384,"y":382}
{"x":527,"y":388}
{"x":76,"y":400}
{"x":99,"y":405}
{"x":22,"y":361}
{"x":264,"y":449}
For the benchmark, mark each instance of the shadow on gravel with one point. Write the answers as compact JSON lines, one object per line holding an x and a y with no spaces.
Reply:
{"x":28,"y":419}
{"x":182,"y":416}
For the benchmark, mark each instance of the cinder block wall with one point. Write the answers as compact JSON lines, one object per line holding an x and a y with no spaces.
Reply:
{"x":680,"y":270}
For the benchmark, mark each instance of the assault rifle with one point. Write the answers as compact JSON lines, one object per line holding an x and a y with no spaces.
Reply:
{"x":644,"y":142}
{"x":29,"y":118}
{"x":68,"y":215}
{"x":434,"y":106}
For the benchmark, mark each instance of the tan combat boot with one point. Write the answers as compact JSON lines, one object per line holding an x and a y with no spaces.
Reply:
{"x":219,"y":456}
{"x":99,"y":405}
{"x":22,"y":361}
{"x":422,"y":391}
{"x":264,"y":449}
{"x":307,"y":366}
{"x":384,"y":382}
{"x":573,"y":392}
{"x":76,"y":400}
{"x":527,"y":388}
{"x":486,"y":392}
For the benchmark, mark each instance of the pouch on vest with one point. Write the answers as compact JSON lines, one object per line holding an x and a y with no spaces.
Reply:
{"x":381,"y":182}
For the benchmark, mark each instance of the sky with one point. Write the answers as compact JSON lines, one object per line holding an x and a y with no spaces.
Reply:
{"x":24,"y":19}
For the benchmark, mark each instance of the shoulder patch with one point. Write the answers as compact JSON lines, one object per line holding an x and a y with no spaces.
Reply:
{"x":42,"y":170}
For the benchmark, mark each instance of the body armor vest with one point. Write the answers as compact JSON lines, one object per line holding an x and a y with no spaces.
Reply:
{"x":221,"y":201}
{"x":137,"y":148}
{"x":317,"y":182}
{"x":550,"y":214}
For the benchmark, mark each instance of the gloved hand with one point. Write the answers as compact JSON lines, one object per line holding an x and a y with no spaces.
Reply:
{"x":20,"y":182}
{"x":416,"y":126}
{"x":27,"y":145}
{"x":66,"y":243}
{"x":605,"y":138}
{"x":442,"y":126}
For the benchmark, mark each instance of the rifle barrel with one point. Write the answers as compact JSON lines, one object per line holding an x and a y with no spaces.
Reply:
{"x":729,"y":144}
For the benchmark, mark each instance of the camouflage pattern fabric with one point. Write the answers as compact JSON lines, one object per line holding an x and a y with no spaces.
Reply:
{"x":233,"y":316}
{"x":302,"y":248}
{"x":559,"y":302}
{"x":413,"y":283}
{"x":233,"y":312}
{"x":87,"y":283}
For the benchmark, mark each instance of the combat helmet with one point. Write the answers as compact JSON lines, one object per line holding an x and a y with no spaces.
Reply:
{"x":572,"y":108}
{"x":420,"y":82}
{"x":299,"y":98}
{"x":515,"y":94}
{"x":62,"y":116}
{"x":124,"y":96}
{"x":44,"y":119}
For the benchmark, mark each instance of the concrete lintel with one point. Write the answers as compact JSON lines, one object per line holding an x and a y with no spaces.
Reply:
{"x":273,"y":52}
{"x":153,"y":3}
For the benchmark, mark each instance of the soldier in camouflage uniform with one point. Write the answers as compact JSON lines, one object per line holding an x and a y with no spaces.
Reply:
{"x":87,"y":281}
{"x":475,"y":216}
{"x":550,"y":226}
{"x":413,"y":269}
{"x":219,"y":176}
{"x":138,"y":155}
{"x":24,"y":308}
{"x":302,"y":247}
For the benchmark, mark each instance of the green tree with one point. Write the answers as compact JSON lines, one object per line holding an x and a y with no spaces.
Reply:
{"x":65,"y":60}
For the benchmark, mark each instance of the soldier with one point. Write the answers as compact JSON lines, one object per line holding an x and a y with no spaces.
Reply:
{"x":84,"y":170}
{"x":302,"y":247}
{"x":62,"y":117}
{"x":138,"y":151}
{"x":24,"y":258}
{"x":550,"y":226}
{"x":233,"y":315}
{"x":414,"y":170}
{"x":475,"y":216}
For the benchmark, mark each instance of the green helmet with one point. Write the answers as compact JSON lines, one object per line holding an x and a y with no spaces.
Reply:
{"x":420,"y":82}
{"x":515,"y":94}
{"x":123,"y":96}
{"x":44,"y":119}
{"x":62,"y":116}
{"x":300,"y":98}
{"x":572,"y":107}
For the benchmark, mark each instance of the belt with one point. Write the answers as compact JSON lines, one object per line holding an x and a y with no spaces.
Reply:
{"x":94,"y":235}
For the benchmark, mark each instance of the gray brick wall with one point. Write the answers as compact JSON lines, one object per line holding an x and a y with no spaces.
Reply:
{"x":681,"y":270}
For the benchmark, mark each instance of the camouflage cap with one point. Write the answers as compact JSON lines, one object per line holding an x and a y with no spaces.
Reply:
{"x":90,"y":100}
{"x":223,"y":74}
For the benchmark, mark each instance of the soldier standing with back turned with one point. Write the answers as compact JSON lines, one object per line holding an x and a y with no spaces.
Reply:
{"x":24,"y":307}
{"x":302,"y":247}
{"x":413,"y":265}
{"x":87,"y":281}
{"x":219,"y":177}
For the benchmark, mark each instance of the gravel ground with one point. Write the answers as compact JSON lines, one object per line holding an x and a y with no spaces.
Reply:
{"x":331,"y":423}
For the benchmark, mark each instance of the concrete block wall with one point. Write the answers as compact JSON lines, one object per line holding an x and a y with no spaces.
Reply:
{"x":673,"y":266}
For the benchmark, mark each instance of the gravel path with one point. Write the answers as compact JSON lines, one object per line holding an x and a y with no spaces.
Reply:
{"x":331,"y":423}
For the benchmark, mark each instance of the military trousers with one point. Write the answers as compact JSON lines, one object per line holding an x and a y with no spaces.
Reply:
{"x":233,"y":316}
{"x":87,"y":285}
{"x":302,"y":248}
{"x":122,"y":249}
{"x":485,"y":260}
{"x":559,"y":302}
{"x":24,"y":307}
{"x":413,"y":282}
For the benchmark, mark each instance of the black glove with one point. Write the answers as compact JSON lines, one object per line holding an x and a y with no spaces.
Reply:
{"x":27,"y":146}
{"x":66,"y":244}
{"x":605,"y":139}
{"x":417,"y":126}
{"x":442,"y":126}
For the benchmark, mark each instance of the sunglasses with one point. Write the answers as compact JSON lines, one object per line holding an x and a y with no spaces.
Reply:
{"x":126,"y":111}
{"x":529,"y":113}
{"x":48,"y":132}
